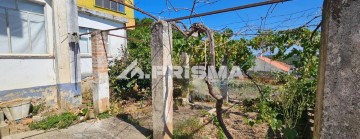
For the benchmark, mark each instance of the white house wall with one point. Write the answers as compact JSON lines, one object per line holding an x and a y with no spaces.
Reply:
{"x":28,"y":78}
{"x":86,"y":66}
{"x":26,"y":73}
{"x":45,"y":76}
{"x":263,"y":66}
{"x":31,"y":75}
{"x":116,"y":43}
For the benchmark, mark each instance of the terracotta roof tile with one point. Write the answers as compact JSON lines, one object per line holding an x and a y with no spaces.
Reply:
{"x":283,"y":66}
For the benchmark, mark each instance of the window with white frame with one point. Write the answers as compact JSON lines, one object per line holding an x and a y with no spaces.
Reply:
{"x":85,"y":41}
{"x":22,"y":27}
{"x":111,"y":5}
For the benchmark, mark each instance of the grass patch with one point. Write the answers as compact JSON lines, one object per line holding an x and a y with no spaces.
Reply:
{"x":204,"y":112}
{"x":104,"y":115}
{"x":187,"y":129}
{"x":220,"y":133}
{"x":56,"y":121}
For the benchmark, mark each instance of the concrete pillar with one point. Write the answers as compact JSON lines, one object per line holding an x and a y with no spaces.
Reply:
{"x":224,"y":89}
{"x":100,"y":71}
{"x":224,"y":82}
{"x":74,"y":50}
{"x":162,"y":83}
{"x":185,"y":64}
{"x":338,"y":99}
{"x":66,"y":53}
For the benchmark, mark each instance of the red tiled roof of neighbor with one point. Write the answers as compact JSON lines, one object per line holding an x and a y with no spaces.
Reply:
{"x":283,"y":66}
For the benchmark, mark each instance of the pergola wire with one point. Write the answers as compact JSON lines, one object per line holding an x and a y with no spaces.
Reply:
{"x":191,"y":16}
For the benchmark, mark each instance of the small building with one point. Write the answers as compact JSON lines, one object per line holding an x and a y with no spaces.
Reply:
{"x":265,"y":64}
{"x":264,"y":67}
{"x":102,"y":14}
{"x":40,"y":55}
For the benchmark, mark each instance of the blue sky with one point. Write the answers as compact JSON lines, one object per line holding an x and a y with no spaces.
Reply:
{"x":280,"y":16}
{"x":245,"y":22}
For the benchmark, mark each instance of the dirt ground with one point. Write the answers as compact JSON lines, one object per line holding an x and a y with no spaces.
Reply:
{"x":234,"y":120}
{"x":140,"y":113}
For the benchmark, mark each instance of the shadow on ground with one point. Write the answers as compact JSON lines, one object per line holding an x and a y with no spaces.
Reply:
{"x":129,"y":119}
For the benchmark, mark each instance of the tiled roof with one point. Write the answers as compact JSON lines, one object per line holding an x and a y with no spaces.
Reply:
{"x":283,"y":66}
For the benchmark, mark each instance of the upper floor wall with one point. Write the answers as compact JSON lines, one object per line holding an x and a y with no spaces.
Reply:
{"x":109,"y":7}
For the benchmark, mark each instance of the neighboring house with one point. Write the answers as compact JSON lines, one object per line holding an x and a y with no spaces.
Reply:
{"x":264,"y":67}
{"x":39,"y":56}
{"x":102,"y":14}
{"x":264,"y":64}
{"x":37,"y":51}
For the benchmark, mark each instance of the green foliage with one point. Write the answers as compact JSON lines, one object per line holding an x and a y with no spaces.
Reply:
{"x":282,"y":42}
{"x":290,"y":133}
{"x":204,"y":112}
{"x":250,"y":105}
{"x":297,"y":95}
{"x":138,"y":49}
{"x":37,"y":108}
{"x":85,"y":111}
{"x":248,"y":121}
{"x":237,"y":52}
{"x":220,"y":132}
{"x":56,"y":121}
{"x":104,"y":115}
{"x":187,"y":129}
{"x":298,"y":91}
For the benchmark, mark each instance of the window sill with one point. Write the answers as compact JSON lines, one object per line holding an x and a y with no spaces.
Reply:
{"x":26,"y":56}
{"x":85,"y":56}
{"x":110,"y":10}
{"x":90,"y":56}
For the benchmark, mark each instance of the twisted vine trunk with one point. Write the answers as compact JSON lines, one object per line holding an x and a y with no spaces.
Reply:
{"x":219,"y":100}
{"x":218,"y":106}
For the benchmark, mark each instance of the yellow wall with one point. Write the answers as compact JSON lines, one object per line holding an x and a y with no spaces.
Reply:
{"x":129,"y":13}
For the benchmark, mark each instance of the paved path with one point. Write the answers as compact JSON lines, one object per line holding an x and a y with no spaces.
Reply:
{"x":111,"y":128}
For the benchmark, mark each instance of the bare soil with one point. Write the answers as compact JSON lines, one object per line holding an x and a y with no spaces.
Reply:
{"x":233,"y":118}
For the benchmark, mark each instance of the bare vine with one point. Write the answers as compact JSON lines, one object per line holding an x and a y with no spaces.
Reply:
{"x":201,"y":28}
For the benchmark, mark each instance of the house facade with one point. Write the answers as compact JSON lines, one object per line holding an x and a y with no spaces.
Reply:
{"x":102,"y":14}
{"x":41,"y":53}
{"x":265,"y":67}
{"x":265,"y":64}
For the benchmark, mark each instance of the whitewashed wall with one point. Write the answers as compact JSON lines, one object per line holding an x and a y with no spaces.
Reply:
{"x":20,"y":74}
{"x":115,"y":43}
{"x":26,"y":73}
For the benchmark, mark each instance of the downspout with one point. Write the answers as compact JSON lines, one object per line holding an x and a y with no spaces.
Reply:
{"x":73,"y":30}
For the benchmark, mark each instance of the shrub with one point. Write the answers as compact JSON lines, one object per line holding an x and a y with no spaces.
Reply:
{"x":56,"y":121}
